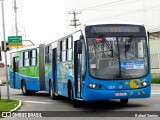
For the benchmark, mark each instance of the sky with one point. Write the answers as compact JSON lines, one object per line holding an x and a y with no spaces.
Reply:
{"x":145,"y":12}
{"x":41,"y":21}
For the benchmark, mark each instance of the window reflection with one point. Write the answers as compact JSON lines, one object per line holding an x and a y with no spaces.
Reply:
{"x":118,"y":57}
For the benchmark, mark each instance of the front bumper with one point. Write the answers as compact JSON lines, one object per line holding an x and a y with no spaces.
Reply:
{"x":94,"y":94}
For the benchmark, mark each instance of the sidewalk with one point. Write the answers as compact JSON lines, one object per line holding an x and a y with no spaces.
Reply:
{"x":3,"y":78}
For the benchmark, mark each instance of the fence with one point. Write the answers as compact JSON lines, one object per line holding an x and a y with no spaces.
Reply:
{"x":155,"y":60}
{"x":155,"y":65}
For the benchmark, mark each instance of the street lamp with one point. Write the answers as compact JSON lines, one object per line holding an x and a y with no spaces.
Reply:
{"x":5,"y":51}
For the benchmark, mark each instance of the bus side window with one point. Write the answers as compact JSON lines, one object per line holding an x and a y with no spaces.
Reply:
{"x":60,"y":46}
{"x":26,"y":58}
{"x":33,"y":57}
{"x":69,"y":49}
{"x":48,"y":54}
{"x":21,"y":60}
{"x":64,"y":50}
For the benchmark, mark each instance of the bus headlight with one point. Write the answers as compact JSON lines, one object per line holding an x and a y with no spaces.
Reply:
{"x":92,"y":85}
{"x":144,"y":83}
{"x":95,"y":86}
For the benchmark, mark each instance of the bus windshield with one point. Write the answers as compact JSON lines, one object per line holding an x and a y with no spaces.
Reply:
{"x":117,"y":57}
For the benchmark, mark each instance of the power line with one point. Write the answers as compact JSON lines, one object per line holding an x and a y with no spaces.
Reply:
{"x":90,"y":8}
{"x":106,"y":4}
{"x":102,"y":5}
{"x":131,"y":12}
{"x":109,"y":3}
{"x":147,"y":9}
{"x":123,"y":3}
{"x":124,"y":10}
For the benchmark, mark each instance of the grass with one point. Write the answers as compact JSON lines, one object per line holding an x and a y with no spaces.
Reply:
{"x":3,"y":84}
{"x":155,"y":80}
{"x":7,"y":105}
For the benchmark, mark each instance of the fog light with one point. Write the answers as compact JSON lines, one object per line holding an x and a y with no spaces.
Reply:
{"x":90,"y":85}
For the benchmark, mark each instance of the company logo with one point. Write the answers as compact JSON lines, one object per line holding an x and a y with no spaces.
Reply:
{"x":6,"y":114}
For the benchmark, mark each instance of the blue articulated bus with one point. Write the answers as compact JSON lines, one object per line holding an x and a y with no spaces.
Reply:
{"x":95,"y":62}
{"x":27,"y":69}
{"x":100,"y":62}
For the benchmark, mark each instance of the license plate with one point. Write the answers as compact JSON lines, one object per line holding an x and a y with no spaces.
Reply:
{"x":121,"y":94}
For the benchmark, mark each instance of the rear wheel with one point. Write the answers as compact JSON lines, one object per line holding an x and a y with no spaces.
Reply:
{"x":24,"y":88}
{"x":124,"y":101}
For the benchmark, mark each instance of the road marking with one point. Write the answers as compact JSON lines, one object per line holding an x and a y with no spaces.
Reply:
{"x":155,"y":93}
{"x":17,"y":96}
{"x":38,"y":102}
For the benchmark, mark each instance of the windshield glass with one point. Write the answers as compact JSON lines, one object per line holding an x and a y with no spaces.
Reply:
{"x":118,"y":57}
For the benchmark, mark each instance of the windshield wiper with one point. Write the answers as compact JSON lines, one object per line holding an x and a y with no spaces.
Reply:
{"x":108,"y":45}
{"x":128,"y":45}
{"x":114,"y":55}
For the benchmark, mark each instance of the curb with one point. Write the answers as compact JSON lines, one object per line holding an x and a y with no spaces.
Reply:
{"x":158,"y":84}
{"x":19,"y":105}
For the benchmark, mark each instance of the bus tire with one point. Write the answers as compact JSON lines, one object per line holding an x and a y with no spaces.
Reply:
{"x":24,"y":88}
{"x":31,"y":92}
{"x":124,"y":101}
{"x":75,"y":102}
{"x":69,"y":91}
{"x":51,"y":93}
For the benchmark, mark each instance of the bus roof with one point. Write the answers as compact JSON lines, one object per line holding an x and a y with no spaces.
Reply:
{"x":100,"y":23}
{"x":89,"y":24}
{"x":64,"y":35}
{"x":25,"y":48}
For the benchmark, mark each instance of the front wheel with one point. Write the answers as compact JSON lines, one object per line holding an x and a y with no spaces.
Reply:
{"x":124,"y":101}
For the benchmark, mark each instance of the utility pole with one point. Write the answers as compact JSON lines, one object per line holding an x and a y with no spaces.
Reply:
{"x":5,"y":49}
{"x":75,"y":19}
{"x":15,"y":11}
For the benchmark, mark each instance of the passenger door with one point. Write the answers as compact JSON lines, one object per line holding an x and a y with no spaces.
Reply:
{"x":77,"y":68}
{"x":15,"y":71}
{"x":54,"y":69}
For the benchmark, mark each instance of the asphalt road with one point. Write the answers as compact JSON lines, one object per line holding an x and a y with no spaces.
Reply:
{"x":63,"y":107}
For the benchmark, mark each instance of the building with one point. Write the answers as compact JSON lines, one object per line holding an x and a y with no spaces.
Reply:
{"x":145,"y":12}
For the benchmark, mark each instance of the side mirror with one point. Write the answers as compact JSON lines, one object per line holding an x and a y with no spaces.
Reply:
{"x":79,"y":44}
{"x":81,"y":37}
{"x":148,"y":34}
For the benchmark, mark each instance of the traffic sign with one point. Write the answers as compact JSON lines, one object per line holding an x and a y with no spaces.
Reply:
{"x":15,"y":40}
